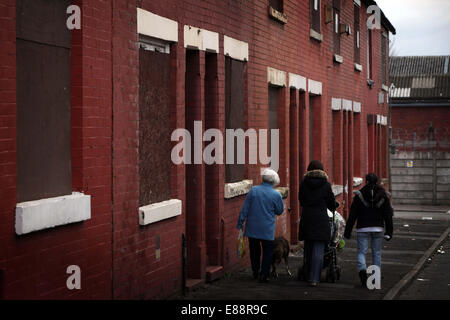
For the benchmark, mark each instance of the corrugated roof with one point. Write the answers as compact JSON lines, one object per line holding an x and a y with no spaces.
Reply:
{"x":420,"y":78}
{"x":419,"y":66}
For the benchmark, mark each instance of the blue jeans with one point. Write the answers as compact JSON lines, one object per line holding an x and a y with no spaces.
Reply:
{"x":313,"y":252}
{"x":376,"y":241}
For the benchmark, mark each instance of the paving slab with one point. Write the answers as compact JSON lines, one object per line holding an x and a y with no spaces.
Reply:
{"x":433,"y":282}
{"x":398,"y":258}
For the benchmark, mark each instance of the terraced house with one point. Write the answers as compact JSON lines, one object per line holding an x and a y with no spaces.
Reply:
{"x":86,"y":122}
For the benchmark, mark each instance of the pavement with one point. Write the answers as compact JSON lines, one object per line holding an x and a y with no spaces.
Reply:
{"x":433,"y":281}
{"x":415,"y":231}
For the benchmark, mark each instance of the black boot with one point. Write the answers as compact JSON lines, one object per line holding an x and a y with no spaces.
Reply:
{"x":363,"y":278}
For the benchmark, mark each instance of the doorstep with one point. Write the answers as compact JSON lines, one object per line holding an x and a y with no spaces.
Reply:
{"x":194,"y":284}
{"x":213,"y":273}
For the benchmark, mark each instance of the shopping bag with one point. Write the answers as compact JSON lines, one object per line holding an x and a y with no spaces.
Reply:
{"x":241,"y":244}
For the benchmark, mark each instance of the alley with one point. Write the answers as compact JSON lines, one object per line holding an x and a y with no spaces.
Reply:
{"x":415,"y":231}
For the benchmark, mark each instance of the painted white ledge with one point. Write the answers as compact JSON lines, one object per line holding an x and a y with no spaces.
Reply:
{"x":155,"y":26}
{"x":159,"y":211}
{"x":357,"y":2}
{"x":337,"y":189}
{"x":237,"y":188}
{"x":315,"y":87}
{"x":357,"y":181}
{"x":284,"y":191}
{"x":347,"y":105}
{"x":297,"y":81}
{"x":338,"y":58}
{"x":276,"y":77}
{"x":384,"y":87}
{"x":52,"y":212}
{"x":235,"y":49}
{"x":358,"y":67}
{"x":201,"y":39}
{"x":356,"y":107}
{"x":315,"y":35}
{"x":336,"y":104}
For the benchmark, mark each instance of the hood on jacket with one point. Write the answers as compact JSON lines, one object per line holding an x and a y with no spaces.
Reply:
{"x":372,"y":195}
{"x":315,"y":178}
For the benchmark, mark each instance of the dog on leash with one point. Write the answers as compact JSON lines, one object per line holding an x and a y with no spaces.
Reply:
{"x":281,"y":251}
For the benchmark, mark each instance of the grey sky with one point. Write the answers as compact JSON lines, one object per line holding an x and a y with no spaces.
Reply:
{"x":423,"y":26}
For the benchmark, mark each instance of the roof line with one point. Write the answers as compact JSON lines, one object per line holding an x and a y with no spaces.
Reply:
{"x":384,"y":20}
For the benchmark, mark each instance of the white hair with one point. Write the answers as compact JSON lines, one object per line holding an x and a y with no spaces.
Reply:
{"x":270,"y":176}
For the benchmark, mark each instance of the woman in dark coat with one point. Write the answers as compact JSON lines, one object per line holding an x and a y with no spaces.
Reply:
{"x":316,"y":196}
{"x":372,"y":212}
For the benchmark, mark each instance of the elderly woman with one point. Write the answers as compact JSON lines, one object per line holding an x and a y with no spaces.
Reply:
{"x":316,"y":196}
{"x":261,"y":205}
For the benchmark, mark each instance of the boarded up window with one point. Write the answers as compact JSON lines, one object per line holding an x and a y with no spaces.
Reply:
{"x":336,"y":20}
{"x":383,"y":58}
{"x":234,"y":110}
{"x":357,"y":44}
{"x":43,"y":99}
{"x":154,"y":126}
{"x":276,"y":4}
{"x":314,"y":6}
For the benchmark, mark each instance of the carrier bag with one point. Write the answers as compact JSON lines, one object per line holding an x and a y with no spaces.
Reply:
{"x":241,"y":244}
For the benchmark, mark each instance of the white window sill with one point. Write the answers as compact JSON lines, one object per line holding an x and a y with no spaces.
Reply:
{"x":315,"y":35}
{"x":42,"y":214}
{"x":357,"y":181}
{"x":284,"y":191}
{"x":384,"y":88}
{"x":358,"y":67}
{"x":338,"y":59}
{"x":159,"y":211}
{"x":237,"y":188}
{"x":337,"y":189}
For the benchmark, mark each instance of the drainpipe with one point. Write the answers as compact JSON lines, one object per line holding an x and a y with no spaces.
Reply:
{"x":222,"y":254}
{"x":183,"y":259}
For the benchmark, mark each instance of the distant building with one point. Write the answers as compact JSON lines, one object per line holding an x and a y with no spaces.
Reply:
{"x":420,"y":113}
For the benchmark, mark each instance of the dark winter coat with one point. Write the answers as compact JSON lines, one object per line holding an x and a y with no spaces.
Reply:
{"x":370,"y":208}
{"x":316,"y":196}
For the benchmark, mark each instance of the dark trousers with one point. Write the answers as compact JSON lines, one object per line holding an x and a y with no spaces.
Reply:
{"x":313,"y":262}
{"x":255,"y":255}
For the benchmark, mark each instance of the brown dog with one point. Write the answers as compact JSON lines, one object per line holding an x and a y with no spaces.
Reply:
{"x":281,"y":251}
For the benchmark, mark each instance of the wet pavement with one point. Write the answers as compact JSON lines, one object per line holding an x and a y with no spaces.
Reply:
{"x":412,"y":238}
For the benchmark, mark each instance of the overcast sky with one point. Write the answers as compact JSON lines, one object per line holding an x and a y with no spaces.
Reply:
{"x":423,"y":26}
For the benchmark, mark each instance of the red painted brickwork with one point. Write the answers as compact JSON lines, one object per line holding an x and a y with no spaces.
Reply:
{"x":119,"y":258}
{"x":429,"y":125}
{"x":34,"y":265}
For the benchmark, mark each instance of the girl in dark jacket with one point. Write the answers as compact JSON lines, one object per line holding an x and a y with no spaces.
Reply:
{"x":316,"y":196}
{"x":372,"y":212}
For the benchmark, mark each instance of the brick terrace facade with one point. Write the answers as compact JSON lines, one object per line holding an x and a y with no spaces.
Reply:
{"x":120,"y":258}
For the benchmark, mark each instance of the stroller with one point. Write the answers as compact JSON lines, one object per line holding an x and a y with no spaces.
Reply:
{"x":330,"y":259}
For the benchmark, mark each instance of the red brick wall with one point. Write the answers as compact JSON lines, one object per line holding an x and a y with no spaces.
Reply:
{"x":116,"y":255}
{"x":409,"y":120}
{"x":34,"y":265}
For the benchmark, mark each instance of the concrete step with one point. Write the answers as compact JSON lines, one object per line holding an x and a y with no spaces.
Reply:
{"x":193,"y":284}
{"x":213,"y":273}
